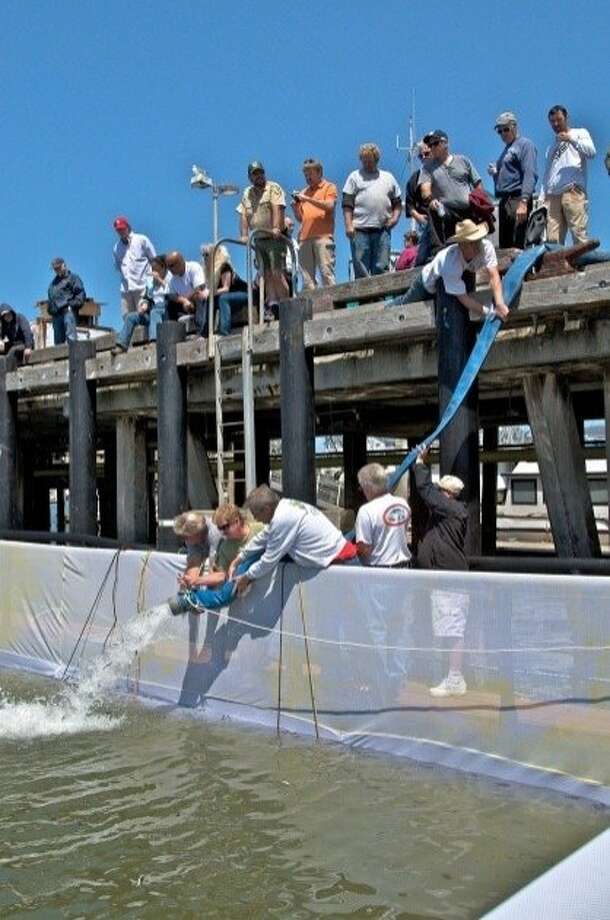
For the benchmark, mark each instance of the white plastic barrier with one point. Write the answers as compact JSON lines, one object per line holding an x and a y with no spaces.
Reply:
{"x":349,"y":653}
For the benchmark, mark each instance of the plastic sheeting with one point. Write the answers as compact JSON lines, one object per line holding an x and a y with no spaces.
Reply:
{"x":349,"y":653}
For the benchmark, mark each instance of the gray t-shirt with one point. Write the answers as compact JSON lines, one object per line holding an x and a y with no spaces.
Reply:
{"x":451,"y":181}
{"x":372,"y":195}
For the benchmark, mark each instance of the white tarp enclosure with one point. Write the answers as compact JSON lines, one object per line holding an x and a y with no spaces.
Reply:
{"x":349,"y":653}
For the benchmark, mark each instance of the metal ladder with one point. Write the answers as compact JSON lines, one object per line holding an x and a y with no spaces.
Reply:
{"x":242,"y":429}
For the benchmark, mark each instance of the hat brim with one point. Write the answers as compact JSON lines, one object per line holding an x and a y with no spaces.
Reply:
{"x":472,"y":236}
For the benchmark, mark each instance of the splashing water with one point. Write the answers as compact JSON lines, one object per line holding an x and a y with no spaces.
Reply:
{"x":73,"y":710}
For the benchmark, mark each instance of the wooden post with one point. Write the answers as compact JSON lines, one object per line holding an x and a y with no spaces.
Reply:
{"x":9,"y":486}
{"x":562,"y":466}
{"x":297,"y":406}
{"x":263,"y":459}
{"x":459,"y":443}
{"x":489,"y":503}
{"x":354,"y":457}
{"x":607,"y":419}
{"x":61,"y":506}
{"x":171,"y":441}
{"x":107,"y":488}
{"x":202,"y":491}
{"x":131,"y":480}
{"x":82,"y":402}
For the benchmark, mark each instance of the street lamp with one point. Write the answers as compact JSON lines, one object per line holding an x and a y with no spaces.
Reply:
{"x":201,"y":180}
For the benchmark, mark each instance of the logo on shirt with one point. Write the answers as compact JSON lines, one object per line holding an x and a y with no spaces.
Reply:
{"x":395,"y":516}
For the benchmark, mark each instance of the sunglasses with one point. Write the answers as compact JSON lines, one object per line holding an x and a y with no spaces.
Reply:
{"x":504,"y":130}
{"x":222,"y":527}
{"x":435,"y":143}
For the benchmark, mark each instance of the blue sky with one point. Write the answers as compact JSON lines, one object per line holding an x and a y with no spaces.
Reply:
{"x":105,"y":106}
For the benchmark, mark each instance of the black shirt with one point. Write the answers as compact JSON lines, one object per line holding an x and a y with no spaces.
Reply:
{"x":443,"y":544}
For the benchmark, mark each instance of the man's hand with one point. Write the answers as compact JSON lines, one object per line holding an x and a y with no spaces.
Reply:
{"x":232,"y":567}
{"x":492,"y":169}
{"x":501,"y":310}
{"x":563,"y":136}
{"x":434,"y":204}
{"x":349,"y":232}
{"x":243,"y":583}
{"x":26,"y":354}
{"x":186,"y":304}
{"x":424,"y":455}
{"x":419,"y":218}
{"x":142,"y":307}
{"x":186,"y":581}
{"x":521,"y":212}
{"x":276,"y":233}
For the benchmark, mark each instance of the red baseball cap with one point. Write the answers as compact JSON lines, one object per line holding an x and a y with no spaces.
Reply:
{"x":120,"y":223}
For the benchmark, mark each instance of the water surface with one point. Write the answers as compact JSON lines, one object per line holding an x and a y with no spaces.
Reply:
{"x":153,"y":814}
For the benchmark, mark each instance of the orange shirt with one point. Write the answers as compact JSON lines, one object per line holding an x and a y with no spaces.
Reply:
{"x":314,"y":221}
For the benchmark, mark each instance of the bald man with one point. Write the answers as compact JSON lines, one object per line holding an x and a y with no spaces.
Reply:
{"x":188,"y":292}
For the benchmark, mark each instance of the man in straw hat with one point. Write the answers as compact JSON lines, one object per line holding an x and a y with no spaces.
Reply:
{"x":469,"y":252}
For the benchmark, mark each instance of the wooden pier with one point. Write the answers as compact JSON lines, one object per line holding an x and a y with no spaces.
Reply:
{"x":139,"y":428}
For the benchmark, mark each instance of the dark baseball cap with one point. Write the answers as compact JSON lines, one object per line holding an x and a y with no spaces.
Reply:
{"x":6,"y":308}
{"x":255,"y":166}
{"x":436,"y":135}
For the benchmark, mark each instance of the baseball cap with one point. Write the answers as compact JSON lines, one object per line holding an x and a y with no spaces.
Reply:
{"x":57,"y":261}
{"x":255,"y":166}
{"x":437,"y":135}
{"x":505,"y":118}
{"x":5,"y":308}
{"x":120,"y":223}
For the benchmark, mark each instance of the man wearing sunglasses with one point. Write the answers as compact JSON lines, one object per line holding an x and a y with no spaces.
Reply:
{"x":446,"y":181}
{"x":515,"y":176}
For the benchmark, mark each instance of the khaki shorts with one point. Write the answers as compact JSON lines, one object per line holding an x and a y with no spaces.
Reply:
{"x":270,"y":255}
{"x":449,"y":612}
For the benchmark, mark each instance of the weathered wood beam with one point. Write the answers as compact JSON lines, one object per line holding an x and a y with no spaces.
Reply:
{"x":171,"y":441}
{"x":83,"y":440}
{"x":9,"y":428}
{"x":562,"y":466}
{"x":297,"y":403}
{"x":354,"y":458}
{"x":131,"y":480}
{"x":489,"y":498}
{"x":202,"y":492}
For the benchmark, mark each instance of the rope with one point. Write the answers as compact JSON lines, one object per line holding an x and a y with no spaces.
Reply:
{"x":309,"y":675}
{"x":281,"y":656}
{"x":198,"y":608}
{"x":140,"y":608}
{"x":89,"y":618}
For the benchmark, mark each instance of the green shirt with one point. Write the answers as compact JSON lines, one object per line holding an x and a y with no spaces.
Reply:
{"x":228,"y":549}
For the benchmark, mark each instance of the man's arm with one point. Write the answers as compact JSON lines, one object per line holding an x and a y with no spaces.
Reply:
{"x":364,"y":542}
{"x":277,"y":219}
{"x":78,"y":293}
{"x":243,"y":225}
{"x":280,"y":540}
{"x":395,"y":215}
{"x":582,"y":140}
{"x":149,"y":250}
{"x":431,"y":494}
{"x":28,"y":338}
{"x":529,"y":166}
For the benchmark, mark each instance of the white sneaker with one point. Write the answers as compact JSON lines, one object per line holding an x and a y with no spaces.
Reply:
{"x":450,"y":686}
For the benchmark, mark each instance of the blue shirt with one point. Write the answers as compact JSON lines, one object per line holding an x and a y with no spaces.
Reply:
{"x":516,"y":169}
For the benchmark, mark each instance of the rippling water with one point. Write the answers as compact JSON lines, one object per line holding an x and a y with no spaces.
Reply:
{"x":167,"y":815}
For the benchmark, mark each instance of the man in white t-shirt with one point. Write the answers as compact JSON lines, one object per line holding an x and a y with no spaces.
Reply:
{"x":294,"y":529}
{"x":188,"y":292}
{"x":469,"y":253}
{"x":381,"y":523}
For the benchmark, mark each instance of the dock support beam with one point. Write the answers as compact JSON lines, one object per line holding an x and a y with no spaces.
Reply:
{"x":9,"y":484}
{"x":171,"y":439}
{"x":297,"y":406}
{"x":263,"y":459}
{"x":459,"y":442}
{"x":489,"y":506}
{"x":202,"y":493}
{"x":131,"y":480}
{"x":561,"y":461}
{"x":82,"y":401}
{"x":354,"y":458}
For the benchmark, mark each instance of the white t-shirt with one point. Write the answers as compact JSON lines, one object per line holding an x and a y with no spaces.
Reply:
{"x":449,"y":264}
{"x":298,"y":530}
{"x":132,"y":258}
{"x":374,"y":195}
{"x":382,"y":524}
{"x":184,"y":285}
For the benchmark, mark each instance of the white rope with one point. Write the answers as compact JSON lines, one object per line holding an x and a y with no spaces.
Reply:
{"x":397,"y":648}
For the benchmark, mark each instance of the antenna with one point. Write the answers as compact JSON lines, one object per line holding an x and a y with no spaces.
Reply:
{"x":410,"y":150}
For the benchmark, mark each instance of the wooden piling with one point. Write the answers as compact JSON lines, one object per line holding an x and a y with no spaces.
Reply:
{"x":9,"y":488}
{"x":82,"y":407}
{"x":202,"y":492}
{"x":354,"y":458}
{"x":171,"y":427}
{"x":459,"y":443}
{"x":561,"y":461}
{"x":131,"y":480}
{"x":489,"y":500}
{"x":297,"y":403}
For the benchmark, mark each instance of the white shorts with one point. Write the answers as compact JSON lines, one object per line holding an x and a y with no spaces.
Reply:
{"x":449,"y":612}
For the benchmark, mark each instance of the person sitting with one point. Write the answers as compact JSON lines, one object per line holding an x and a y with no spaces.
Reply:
{"x":150,"y":311}
{"x":469,"y":252}
{"x":15,"y":334}
{"x":442,"y":547}
{"x":229,"y":288}
{"x":408,"y":256}
{"x":381,"y":523}
{"x":295,"y":529}
{"x":188,"y":292}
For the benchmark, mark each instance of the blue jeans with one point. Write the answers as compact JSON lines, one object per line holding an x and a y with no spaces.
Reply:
{"x":232,"y":300}
{"x":424,"y":246}
{"x":64,"y":326}
{"x":150,"y":320}
{"x":370,"y":252}
{"x":415,"y":294}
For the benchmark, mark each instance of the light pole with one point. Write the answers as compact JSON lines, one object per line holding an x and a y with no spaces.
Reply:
{"x":201,"y":180}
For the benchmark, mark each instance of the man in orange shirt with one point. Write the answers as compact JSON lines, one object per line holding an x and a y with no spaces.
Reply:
{"x":314,"y":208}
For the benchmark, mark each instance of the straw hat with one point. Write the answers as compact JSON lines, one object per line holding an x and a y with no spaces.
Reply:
{"x":466,"y":231}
